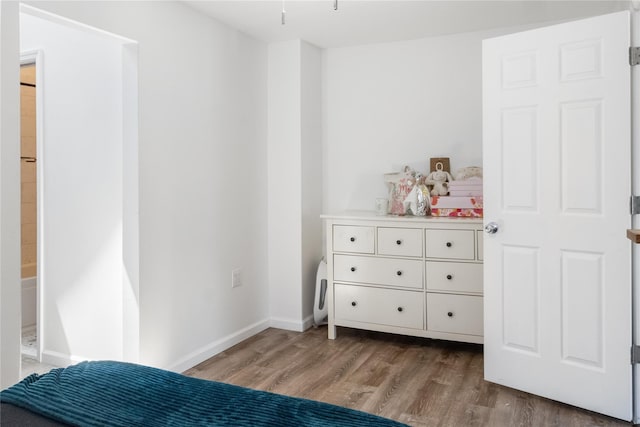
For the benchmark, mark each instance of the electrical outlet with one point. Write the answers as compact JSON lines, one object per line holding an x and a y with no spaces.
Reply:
{"x":236,"y":278}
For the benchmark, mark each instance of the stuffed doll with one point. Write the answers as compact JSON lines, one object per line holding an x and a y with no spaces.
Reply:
{"x":439,"y":178}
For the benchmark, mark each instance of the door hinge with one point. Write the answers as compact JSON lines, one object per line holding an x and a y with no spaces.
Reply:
{"x":634,"y":56}
{"x":635,"y":354}
{"x":634,"y":205}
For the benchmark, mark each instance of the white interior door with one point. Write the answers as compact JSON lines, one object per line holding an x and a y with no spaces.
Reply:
{"x":557,"y":184}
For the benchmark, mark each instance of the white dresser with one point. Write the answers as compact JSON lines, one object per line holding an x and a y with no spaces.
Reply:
{"x":418,"y":276}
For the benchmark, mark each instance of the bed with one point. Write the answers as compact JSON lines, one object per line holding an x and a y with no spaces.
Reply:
{"x":107,"y":393}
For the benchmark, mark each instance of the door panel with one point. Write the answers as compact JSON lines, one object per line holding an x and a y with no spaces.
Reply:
{"x":520,"y":160}
{"x":582,"y":317}
{"x":581,"y":138}
{"x":520,"y":305}
{"x":556,"y":159}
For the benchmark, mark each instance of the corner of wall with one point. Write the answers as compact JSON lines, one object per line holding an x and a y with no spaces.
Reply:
{"x":291,"y":324}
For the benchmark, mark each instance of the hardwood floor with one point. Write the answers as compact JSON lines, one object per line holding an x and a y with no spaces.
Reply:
{"x":417,"y":381}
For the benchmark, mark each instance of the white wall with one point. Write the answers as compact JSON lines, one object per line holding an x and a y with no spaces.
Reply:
{"x":284,"y":207}
{"x":388,"y":105}
{"x":9,"y":195}
{"x":202,"y":169}
{"x":311,"y":181}
{"x":82,"y":187}
{"x":295,"y":181}
{"x":392,"y":104}
{"x":131,"y":205}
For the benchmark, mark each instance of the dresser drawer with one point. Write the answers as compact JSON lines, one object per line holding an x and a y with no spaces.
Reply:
{"x":451,"y":244}
{"x":457,"y":314}
{"x":406,"y":273}
{"x":454,"y":276}
{"x":380,"y":306}
{"x":348,"y":238}
{"x":400,"y":241}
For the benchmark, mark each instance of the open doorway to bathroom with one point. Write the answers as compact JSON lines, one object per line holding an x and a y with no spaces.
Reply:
{"x":87,"y":189}
{"x":31,"y":186}
{"x":29,"y":209}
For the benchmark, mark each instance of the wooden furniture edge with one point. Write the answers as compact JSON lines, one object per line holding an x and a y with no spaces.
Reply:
{"x":633,"y":235}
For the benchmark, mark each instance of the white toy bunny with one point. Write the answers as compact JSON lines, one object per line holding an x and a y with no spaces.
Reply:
{"x":439,"y":178}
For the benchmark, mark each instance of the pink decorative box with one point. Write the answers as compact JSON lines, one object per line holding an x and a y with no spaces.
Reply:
{"x":452,"y":202}
{"x":463,"y":185}
{"x":466,"y":182}
{"x":466,"y":213}
{"x":465,"y":193}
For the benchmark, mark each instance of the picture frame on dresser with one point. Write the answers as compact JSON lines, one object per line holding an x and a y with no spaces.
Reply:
{"x":418,"y":276}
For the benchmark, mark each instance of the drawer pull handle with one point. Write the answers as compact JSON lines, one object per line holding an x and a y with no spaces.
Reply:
{"x":399,"y":273}
{"x":449,"y":244}
{"x":353,"y":269}
{"x":398,"y":242}
{"x":450,"y":314}
{"x":352,"y":239}
{"x":353,"y":303}
{"x":449,"y":277}
{"x":400,"y":309}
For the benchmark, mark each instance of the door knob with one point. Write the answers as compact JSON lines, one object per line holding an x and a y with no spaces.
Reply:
{"x":491,"y":228}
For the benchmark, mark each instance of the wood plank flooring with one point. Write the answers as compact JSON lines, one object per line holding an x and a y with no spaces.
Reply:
{"x":417,"y":381}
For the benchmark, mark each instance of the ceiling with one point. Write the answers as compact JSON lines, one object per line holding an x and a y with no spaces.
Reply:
{"x":359,"y":22}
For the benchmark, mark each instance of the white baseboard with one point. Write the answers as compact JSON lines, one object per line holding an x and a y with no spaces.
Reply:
{"x":203,"y":353}
{"x":210,"y":350}
{"x":59,"y":359}
{"x":291,"y":324}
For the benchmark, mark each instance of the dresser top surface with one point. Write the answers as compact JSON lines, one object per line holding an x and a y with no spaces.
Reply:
{"x":373,"y":216}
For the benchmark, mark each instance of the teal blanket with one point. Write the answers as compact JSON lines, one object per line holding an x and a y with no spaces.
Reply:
{"x":124,"y":394}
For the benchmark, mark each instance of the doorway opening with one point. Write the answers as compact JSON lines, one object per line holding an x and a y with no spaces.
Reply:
{"x":86,"y":278}
{"x":28,"y":209}
{"x":31,"y":208}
